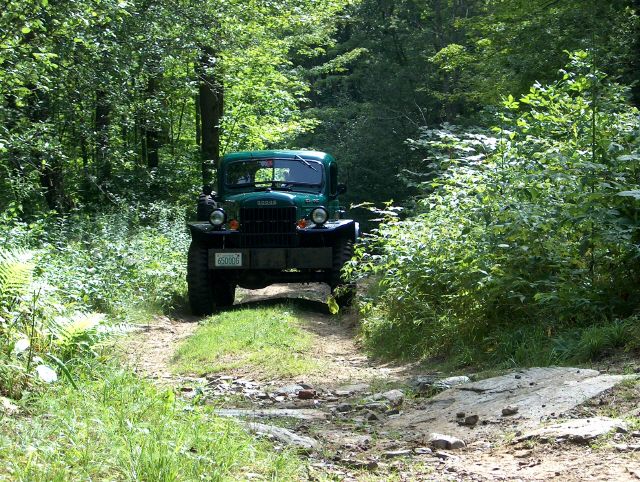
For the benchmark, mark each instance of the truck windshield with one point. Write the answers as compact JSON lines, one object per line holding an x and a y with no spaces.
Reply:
{"x":276,"y":173}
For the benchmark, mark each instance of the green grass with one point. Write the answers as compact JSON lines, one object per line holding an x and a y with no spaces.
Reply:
{"x":119,"y":427}
{"x":268,"y":342}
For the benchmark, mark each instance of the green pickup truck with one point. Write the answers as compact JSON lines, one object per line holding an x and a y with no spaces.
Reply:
{"x":275,"y":218}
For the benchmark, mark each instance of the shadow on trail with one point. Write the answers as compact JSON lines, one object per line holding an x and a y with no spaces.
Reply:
{"x":301,"y":304}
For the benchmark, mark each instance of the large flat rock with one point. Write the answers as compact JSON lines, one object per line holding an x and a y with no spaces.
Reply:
{"x":580,"y":430}
{"x":536,"y":393}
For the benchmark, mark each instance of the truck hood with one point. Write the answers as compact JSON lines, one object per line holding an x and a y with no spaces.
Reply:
{"x":276,"y":198}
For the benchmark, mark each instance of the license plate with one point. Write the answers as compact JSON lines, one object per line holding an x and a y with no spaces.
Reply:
{"x":228,"y":260}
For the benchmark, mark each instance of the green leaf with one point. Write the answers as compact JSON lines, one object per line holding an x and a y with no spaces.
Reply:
{"x":334,"y":308}
{"x":634,"y":194}
{"x":25,"y":30}
{"x":46,"y":374}
{"x":63,"y":368}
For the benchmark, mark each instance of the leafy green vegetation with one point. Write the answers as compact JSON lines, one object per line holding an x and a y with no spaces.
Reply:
{"x":61,"y":276}
{"x":525,"y":247}
{"x":403,"y":65}
{"x":267,"y":342}
{"x":118,"y":427}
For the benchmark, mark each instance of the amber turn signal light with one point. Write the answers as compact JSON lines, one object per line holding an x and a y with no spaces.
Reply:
{"x":234,"y":225}
{"x":302,"y":223}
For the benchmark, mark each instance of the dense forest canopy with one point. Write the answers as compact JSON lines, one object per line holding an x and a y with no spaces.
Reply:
{"x":109,"y":100}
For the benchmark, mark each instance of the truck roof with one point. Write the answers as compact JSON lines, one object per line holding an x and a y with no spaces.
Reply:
{"x":317,"y":155}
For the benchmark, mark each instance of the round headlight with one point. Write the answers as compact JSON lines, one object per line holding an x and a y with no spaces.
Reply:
{"x":218,"y":217}
{"x":319,"y":216}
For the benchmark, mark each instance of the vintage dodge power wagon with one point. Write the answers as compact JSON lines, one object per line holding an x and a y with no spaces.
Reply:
{"x":275,"y":218}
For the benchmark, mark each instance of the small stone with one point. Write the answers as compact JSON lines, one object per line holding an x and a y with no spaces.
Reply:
{"x":289,"y":390}
{"x":635,"y":434}
{"x":360,"y":464}
{"x":440,"y":441}
{"x":395,"y":397}
{"x":422,"y":383}
{"x":347,"y":390}
{"x":344,"y":407}
{"x":447,"y":383}
{"x":371,"y":416}
{"x":393,"y":411}
{"x":422,"y":451}
{"x":471,"y":420}
{"x":522,"y":454}
{"x":518,"y":377}
{"x":621,"y":447}
{"x":509,"y":410}
{"x":376,"y":406}
{"x":306,"y":394}
{"x":460,"y":415}
{"x":446,"y":456}
{"x":396,"y":453}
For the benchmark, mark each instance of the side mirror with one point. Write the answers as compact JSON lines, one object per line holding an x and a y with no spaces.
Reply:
{"x":341,"y":189}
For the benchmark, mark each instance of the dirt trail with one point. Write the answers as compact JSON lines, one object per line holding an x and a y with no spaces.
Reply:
{"x":367,"y":435}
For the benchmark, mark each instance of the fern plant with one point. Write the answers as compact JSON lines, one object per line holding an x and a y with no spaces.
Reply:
{"x":16,"y":275}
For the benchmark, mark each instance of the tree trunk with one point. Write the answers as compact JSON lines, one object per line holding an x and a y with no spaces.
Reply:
{"x":151,"y":129}
{"x":198,"y":126}
{"x":102,"y":111}
{"x":211,"y":98}
{"x":49,"y":167}
{"x":635,"y":61}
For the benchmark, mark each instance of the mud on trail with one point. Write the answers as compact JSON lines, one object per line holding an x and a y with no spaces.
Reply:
{"x":357,"y":419}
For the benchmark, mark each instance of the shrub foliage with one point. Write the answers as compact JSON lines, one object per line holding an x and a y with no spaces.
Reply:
{"x":527,"y":233}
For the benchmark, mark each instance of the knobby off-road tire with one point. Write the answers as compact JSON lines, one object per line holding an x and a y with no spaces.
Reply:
{"x":199,"y":280}
{"x":206,"y":205}
{"x":206,"y":290}
{"x":342,"y":291}
{"x":224,"y":293}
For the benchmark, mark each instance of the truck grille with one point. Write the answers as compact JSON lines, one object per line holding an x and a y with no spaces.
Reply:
{"x":268,"y":227}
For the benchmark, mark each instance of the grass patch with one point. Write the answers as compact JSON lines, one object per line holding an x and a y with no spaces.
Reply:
{"x":121,"y":428}
{"x":265,"y":341}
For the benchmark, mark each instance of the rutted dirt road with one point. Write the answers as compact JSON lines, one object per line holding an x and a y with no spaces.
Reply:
{"x":362,"y":420}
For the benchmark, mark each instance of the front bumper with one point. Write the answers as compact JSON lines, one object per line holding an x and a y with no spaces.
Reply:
{"x":276,"y":258}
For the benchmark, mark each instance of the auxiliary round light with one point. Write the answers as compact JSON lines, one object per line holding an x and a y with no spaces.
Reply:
{"x":218,"y":217}
{"x":234,"y":225}
{"x":319,"y":216}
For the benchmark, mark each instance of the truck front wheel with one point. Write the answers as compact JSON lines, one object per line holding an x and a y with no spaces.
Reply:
{"x":199,"y":280}
{"x":342,"y":291}
{"x":224,"y":293}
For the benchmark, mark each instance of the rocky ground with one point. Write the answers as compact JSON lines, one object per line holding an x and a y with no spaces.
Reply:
{"x":362,"y":420}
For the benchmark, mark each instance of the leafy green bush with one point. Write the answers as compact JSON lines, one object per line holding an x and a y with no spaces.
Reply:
{"x":39,"y":335}
{"x":60,"y":271}
{"x":529,"y":231}
{"x":115,"y":261}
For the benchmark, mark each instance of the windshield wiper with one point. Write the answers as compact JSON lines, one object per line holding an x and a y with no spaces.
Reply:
{"x":306,"y":163}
